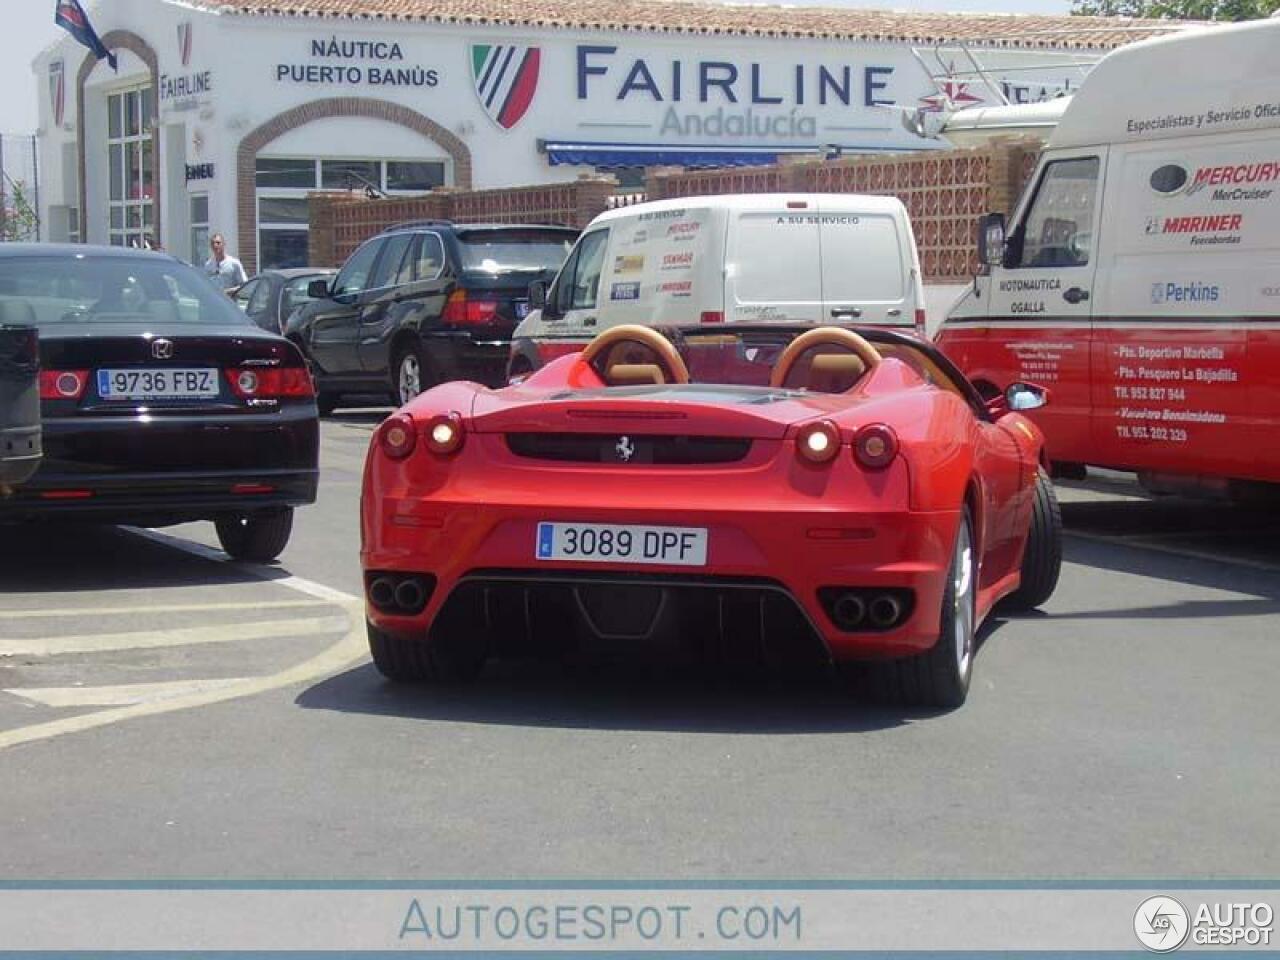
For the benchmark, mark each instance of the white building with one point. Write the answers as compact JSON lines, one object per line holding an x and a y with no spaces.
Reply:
{"x":225,"y":113}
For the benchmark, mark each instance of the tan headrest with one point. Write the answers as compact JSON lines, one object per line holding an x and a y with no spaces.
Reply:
{"x":635,"y":374}
{"x":835,"y":372}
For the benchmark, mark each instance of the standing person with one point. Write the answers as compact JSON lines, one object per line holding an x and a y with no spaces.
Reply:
{"x":223,"y":270}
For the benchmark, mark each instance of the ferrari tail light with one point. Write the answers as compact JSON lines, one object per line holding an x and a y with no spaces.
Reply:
{"x":63,"y":384}
{"x":460,"y":309}
{"x":270,"y":384}
{"x":444,"y":434}
{"x":875,"y":446}
{"x":818,"y":442}
{"x":712,"y":316}
{"x":398,"y":436}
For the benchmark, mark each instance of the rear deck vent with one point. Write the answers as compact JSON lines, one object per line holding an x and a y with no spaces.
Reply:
{"x":627,"y":448}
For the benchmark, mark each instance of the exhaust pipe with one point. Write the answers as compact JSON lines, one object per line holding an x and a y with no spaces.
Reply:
{"x":848,"y":610}
{"x":382,"y":593}
{"x":885,"y":611}
{"x":410,"y":595}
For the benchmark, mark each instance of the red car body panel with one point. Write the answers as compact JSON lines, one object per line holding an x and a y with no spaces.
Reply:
{"x":772,"y":516}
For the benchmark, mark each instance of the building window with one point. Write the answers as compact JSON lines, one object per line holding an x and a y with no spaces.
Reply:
{"x":131,"y":166}
{"x":199,"y":228}
{"x":284,"y":182}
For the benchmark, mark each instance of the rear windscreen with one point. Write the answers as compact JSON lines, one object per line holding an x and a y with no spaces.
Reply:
{"x":84,"y":288}
{"x":494,"y":251}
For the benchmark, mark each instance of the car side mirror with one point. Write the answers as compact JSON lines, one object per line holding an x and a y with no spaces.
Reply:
{"x":538,"y":294}
{"x":991,"y":239}
{"x":318,"y":289}
{"x":1020,"y":397}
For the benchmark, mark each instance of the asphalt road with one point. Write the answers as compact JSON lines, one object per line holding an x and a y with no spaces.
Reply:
{"x":169,"y":714}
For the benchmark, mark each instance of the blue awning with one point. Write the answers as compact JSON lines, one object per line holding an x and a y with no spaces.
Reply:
{"x":627,"y":155}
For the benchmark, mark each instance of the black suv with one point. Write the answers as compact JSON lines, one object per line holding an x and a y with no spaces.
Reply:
{"x":422,"y":303}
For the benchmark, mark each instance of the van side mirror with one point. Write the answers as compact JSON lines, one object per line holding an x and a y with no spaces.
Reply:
{"x":318,"y":289}
{"x":1022,"y":396}
{"x":991,"y":239}
{"x":538,"y":294}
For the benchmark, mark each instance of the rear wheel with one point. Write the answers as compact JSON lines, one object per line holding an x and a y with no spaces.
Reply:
{"x":424,"y":661}
{"x":256,"y":537}
{"x":1042,"y":561}
{"x":408,"y":373}
{"x":940,"y":676}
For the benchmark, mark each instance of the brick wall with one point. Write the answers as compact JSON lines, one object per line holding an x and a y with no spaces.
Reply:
{"x":339,"y":223}
{"x":945,"y":192}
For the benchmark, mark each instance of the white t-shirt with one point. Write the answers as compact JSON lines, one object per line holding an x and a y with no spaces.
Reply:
{"x":229,"y":273}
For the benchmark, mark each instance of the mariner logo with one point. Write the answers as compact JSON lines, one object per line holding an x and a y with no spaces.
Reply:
{"x":506,"y":78}
{"x":1161,"y":924}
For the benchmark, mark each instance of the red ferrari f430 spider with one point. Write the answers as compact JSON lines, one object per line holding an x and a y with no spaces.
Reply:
{"x":769,"y":493}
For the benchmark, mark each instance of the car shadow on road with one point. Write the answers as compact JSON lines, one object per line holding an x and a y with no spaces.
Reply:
{"x":1254,"y":591}
{"x":647,"y":697}
{"x":52,"y":557}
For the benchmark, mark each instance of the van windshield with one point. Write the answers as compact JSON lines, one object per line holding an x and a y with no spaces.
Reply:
{"x":493,"y":251}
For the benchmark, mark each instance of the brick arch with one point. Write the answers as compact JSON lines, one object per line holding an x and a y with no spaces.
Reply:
{"x":282,"y":123}
{"x":118,"y":40}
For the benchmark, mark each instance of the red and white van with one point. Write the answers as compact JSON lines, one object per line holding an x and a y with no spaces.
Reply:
{"x":1139,"y":276}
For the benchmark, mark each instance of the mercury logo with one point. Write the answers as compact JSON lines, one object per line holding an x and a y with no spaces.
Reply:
{"x":1161,"y":924}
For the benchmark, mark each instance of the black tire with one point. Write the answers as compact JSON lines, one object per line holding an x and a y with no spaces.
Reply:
{"x":256,"y":537}
{"x":326,"y":403}
{"x":421,"y":661}
{"x":1042,"y":561}
{"x":939,"y":677}
{"x":410,"y":353}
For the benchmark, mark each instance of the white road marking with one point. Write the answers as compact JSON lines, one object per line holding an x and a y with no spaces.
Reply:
{"x":120,"y":696}
{"x":171,"y":637}
{"x":349,"y":650}
{"x":156,"y":608}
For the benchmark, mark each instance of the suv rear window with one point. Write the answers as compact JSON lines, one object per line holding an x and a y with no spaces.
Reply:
{"x":494,"y":251}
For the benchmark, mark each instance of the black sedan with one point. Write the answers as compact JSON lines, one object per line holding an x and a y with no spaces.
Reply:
{"x":272,"y":295}
{"x":161,"y":402}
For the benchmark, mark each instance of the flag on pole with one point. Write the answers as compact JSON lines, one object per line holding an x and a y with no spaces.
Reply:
{"x":71,"y":17}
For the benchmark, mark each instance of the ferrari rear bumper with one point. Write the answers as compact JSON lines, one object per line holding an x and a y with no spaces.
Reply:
{"x":774,"y":579}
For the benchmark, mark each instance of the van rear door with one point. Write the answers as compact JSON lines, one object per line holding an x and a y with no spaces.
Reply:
{"x":866,"y":273}
{"x":773,"y":264}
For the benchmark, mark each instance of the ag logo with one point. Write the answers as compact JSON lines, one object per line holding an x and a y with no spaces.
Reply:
{"x":506,"y":77}
{"x":1161,"y":924}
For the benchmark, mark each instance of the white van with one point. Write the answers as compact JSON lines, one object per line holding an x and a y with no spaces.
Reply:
{"x":750,"y":258}
{"x":1139,"y":276}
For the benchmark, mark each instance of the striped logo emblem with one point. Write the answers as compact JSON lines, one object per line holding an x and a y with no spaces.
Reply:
{"x":506,"y":77}
{"x":184,"y":42}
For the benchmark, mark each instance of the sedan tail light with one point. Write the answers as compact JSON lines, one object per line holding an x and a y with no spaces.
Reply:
{"x":462,"y":310}
{"x":270,"y":384}
{"x":63,"y":384}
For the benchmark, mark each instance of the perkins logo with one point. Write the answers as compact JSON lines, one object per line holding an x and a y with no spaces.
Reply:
{"x":1185,"y":293}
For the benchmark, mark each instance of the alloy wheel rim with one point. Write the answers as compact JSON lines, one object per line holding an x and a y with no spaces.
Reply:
{"x":962,"y":590}
{"x":410,"y":378}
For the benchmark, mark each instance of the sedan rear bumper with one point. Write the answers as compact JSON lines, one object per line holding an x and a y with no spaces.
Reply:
{"x":161,"y":470}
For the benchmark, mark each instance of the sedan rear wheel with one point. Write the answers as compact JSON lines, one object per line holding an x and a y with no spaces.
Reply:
{"x":256,"y":537}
